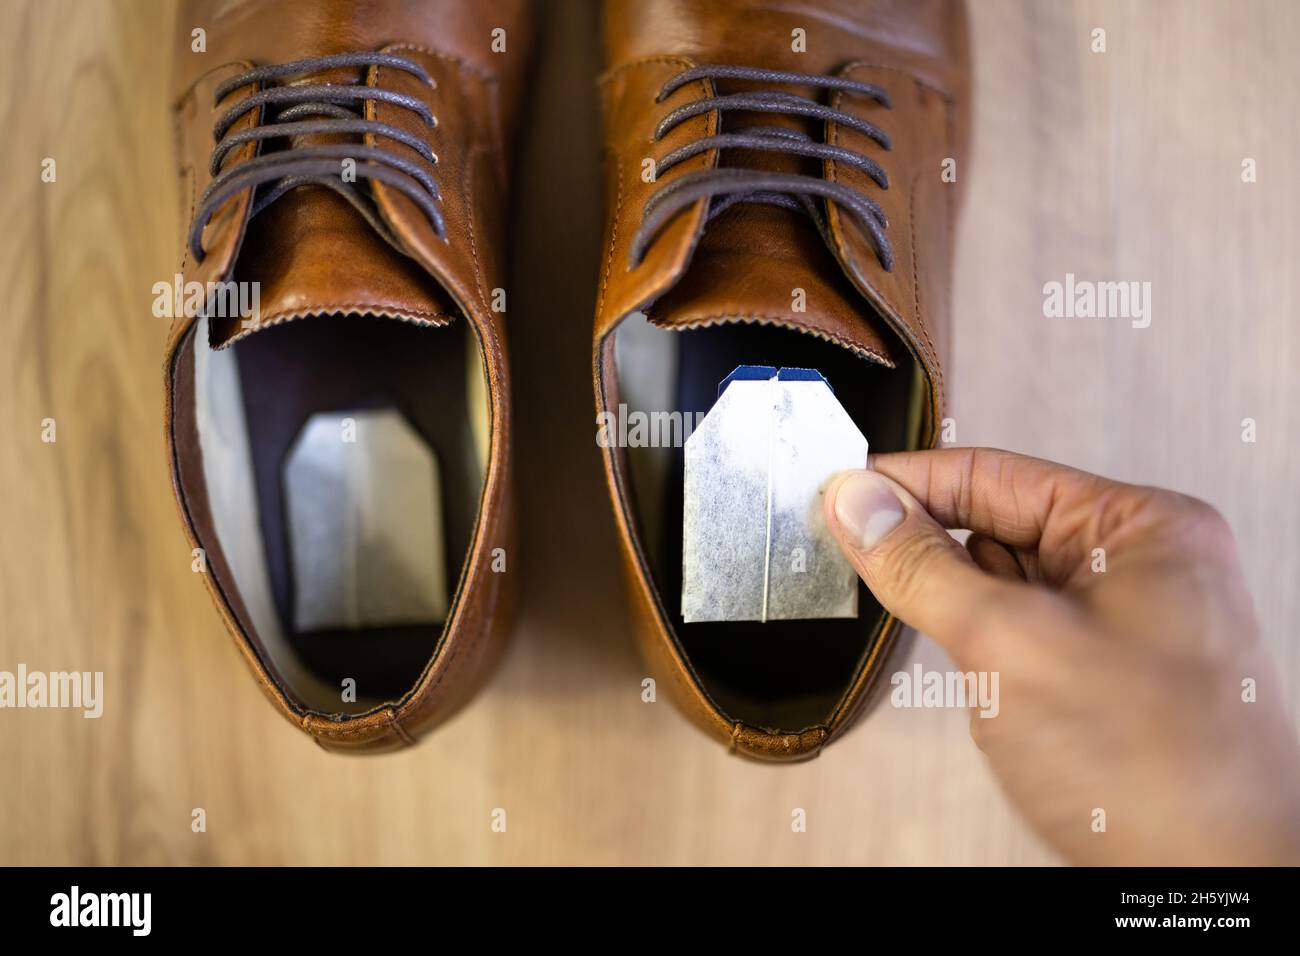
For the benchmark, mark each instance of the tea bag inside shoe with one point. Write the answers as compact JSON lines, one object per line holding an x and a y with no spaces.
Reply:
{"x":755,"y":545}
{"x":363,"y":495}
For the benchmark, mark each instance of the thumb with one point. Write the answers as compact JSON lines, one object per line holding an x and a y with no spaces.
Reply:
{"x":913,"y":566}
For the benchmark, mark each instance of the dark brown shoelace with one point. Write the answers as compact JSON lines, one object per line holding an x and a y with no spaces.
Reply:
{"x":726,"y":186}
{"x":315,"y":110}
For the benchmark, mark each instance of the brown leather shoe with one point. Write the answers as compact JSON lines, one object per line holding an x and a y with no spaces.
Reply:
{"x":798,"y":159}
{"x":338,"y":422}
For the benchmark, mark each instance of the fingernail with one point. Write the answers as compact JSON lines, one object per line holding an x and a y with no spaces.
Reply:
{"x":867,"y":509}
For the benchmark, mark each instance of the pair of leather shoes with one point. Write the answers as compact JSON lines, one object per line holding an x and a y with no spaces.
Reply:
{"x":780,"y":191}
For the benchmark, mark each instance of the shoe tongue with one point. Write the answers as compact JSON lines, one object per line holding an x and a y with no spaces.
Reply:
{"x":763,"y":263}
{"x":312,"y":254}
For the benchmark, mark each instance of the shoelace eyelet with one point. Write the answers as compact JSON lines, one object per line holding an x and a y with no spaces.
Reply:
{"x":723,"y":187}
{"x":324,"y":108}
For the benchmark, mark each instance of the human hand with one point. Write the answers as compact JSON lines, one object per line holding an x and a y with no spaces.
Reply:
{"x":1124,"y":689}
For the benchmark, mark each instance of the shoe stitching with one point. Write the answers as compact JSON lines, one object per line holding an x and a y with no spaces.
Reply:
{"x":703,"y":320}
{"x":924,"y":341}
{"x":470,"y":154}
{"x":922,"y":84}
{"x":613,"y":235}
{"x":916,"y":288}
{"x":642,"y":61}
{"x":466,"y":192}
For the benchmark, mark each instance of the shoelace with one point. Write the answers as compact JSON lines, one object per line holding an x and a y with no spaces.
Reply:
{"x":724,"y":187}
{"x":313,"y":110}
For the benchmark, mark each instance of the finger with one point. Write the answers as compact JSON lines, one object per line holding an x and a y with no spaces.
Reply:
{"x":994,"y":557}
{"x":913,"y":567}
{"x":1011,"y":498}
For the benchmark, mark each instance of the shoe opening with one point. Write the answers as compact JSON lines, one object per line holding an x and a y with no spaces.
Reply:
{"x":332,"y":468}
{"x":780,"y":676}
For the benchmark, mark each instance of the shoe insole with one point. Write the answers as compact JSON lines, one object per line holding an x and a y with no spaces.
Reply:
{"x":359,"y":367}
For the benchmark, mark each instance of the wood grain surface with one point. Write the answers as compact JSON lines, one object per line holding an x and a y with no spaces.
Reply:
{"x":1124,"y":165}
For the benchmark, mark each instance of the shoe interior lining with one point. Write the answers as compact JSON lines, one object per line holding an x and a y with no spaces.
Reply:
{"x":782,"y":676}
{"x":252,"y":402}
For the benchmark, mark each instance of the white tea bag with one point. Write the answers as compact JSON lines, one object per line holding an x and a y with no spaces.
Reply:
{"x":363,"y":504}
{"x":755,"y":546}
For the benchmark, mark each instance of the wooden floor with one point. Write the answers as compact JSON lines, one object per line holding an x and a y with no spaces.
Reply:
{"x":1124,"y":165}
